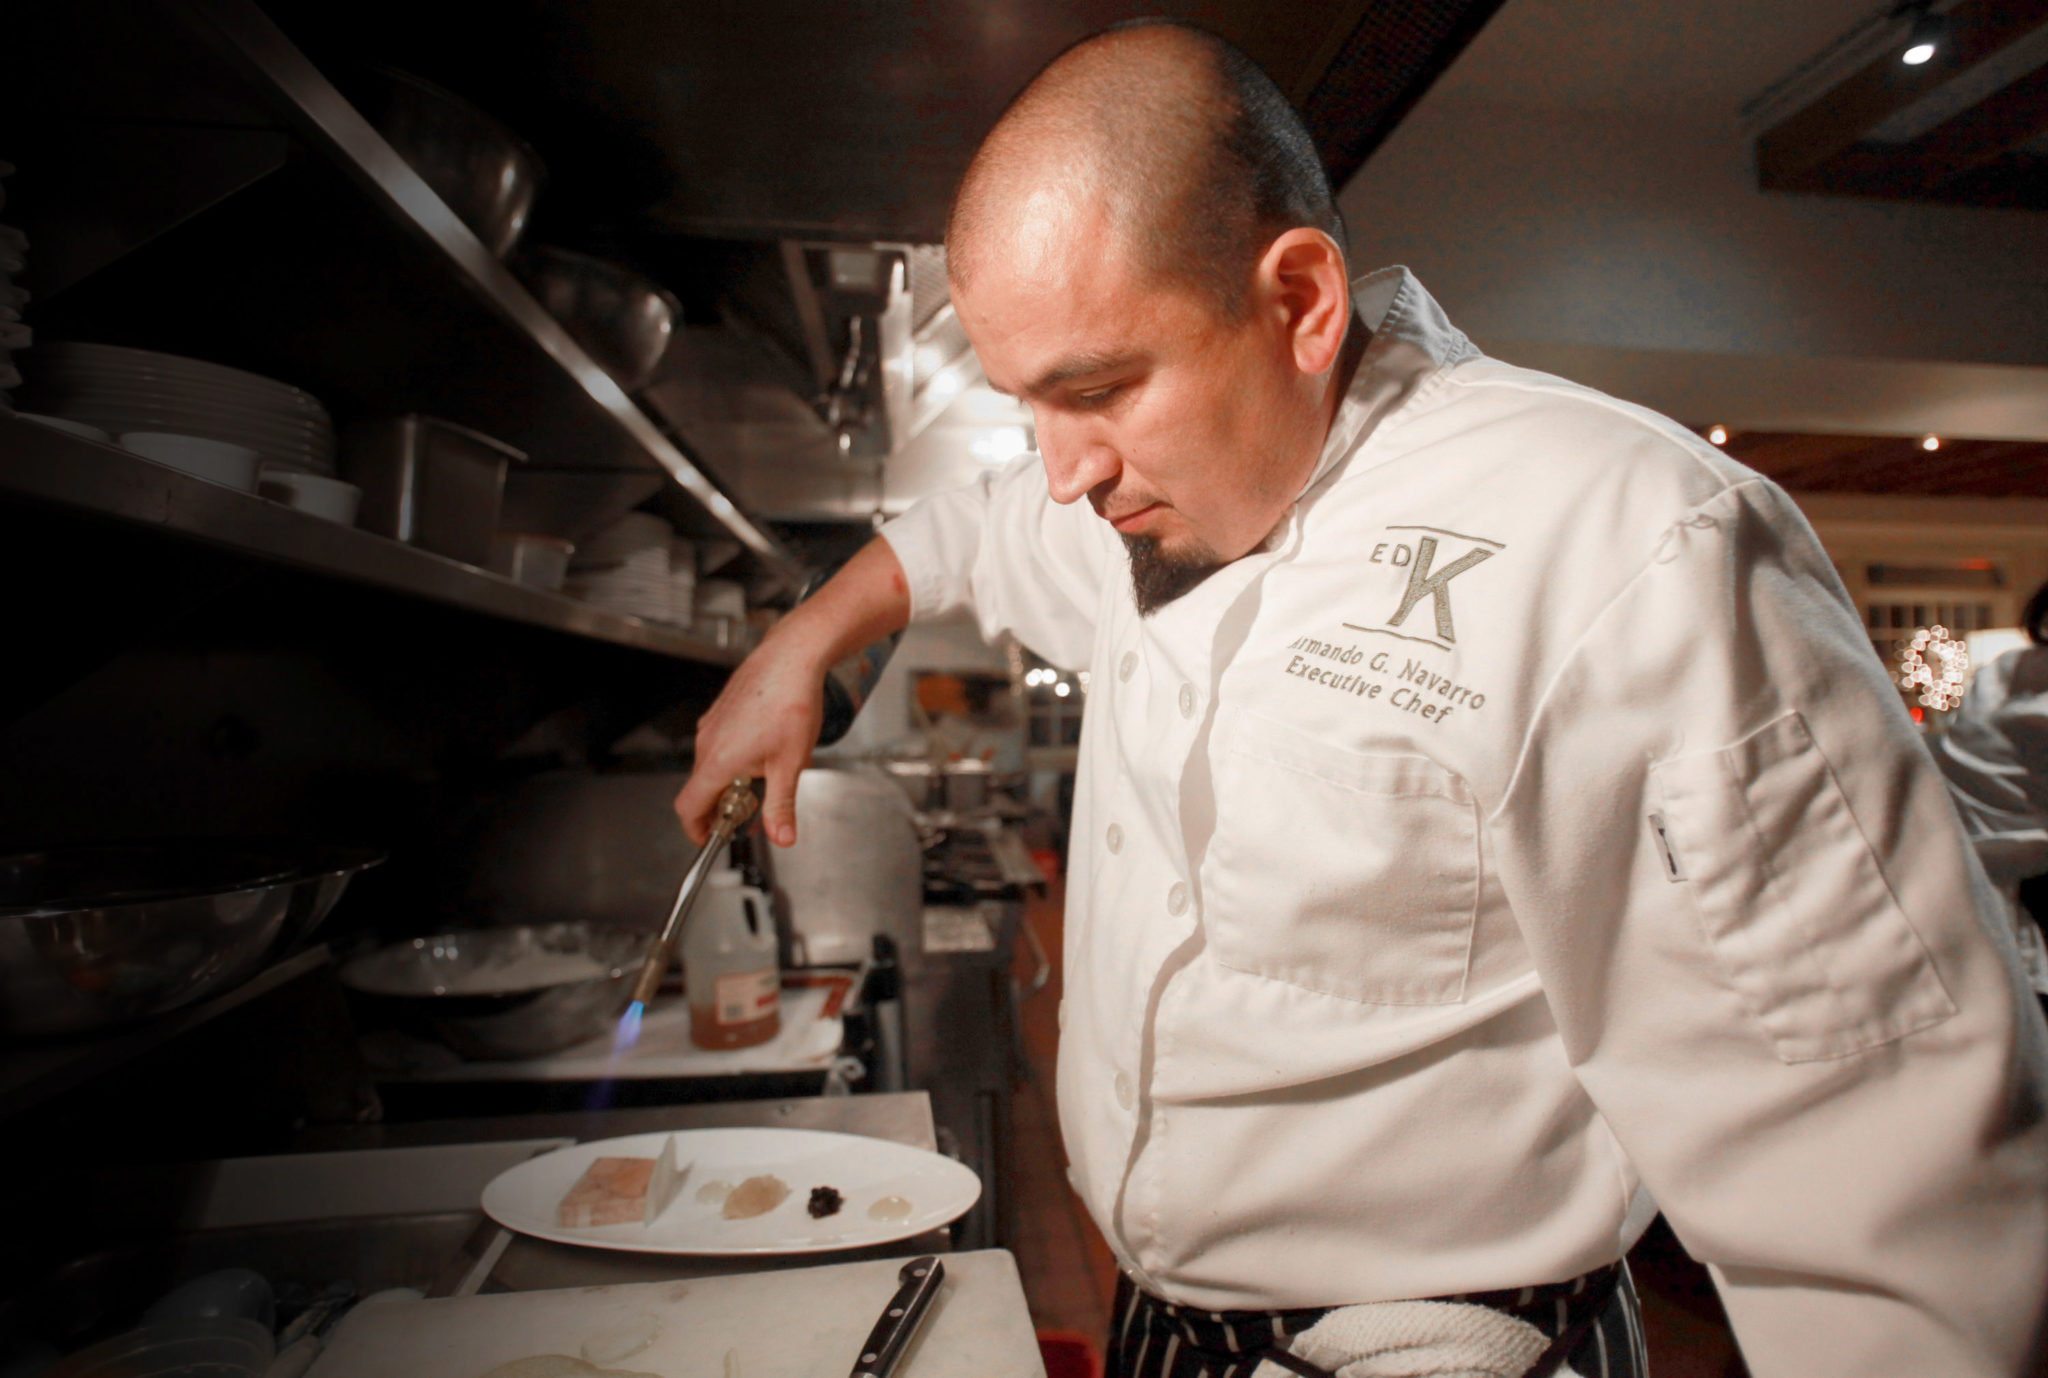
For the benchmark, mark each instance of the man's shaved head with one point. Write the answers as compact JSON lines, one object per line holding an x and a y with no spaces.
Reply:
{"x":1193,"y":158}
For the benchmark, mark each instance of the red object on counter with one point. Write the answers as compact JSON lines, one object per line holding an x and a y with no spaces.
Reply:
{"x":1068,"y":1355}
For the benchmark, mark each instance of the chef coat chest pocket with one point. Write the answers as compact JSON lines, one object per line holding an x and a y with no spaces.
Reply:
{"x":1347,"y":873}
{"x":1791,"y":897}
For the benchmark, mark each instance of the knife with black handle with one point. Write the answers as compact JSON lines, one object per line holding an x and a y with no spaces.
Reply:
{"x":918,"y":1283}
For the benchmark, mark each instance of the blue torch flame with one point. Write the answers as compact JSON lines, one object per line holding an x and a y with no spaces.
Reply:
{"x":629,"y":1027}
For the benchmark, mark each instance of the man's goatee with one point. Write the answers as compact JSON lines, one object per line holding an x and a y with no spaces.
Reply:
{"x":1159,"y":576}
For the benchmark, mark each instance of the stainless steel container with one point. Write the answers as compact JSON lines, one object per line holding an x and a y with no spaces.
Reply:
{"x":504,"y":993}
{"x":429,"y":483}
{"x":967,"y":785}
{"x":622,"y":320}
{"x":96,"y":936}
{"x":486,"y":174}
{"x":857,"y":868}
{"x":532,"y":559}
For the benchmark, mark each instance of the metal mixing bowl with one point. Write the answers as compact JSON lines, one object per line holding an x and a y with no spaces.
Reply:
{"x":95,"y":936}
{"x":485,"y":173}
{"x":488,"y":993}
{"x":623,"y":320}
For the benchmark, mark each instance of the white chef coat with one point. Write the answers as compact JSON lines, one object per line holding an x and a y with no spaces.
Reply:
{"x":1995,"y":755}
{"x":1524,"y":831}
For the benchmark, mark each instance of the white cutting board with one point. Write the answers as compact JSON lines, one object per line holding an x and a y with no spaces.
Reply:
{"x":799,"y":1323}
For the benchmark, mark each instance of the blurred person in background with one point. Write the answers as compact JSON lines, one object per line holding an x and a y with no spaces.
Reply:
{"x":1995,"y":755}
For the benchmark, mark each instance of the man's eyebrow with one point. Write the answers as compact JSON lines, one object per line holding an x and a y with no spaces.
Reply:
{"x":1072,"y":367}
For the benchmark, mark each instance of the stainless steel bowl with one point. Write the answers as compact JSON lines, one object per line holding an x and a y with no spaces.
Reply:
{"x":503,"y":993}
{"x":486,"y":173}
{"x":623,"y":320}
{"x":96,"y":936}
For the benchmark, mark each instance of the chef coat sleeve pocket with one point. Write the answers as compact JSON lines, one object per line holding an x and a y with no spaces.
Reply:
{"x":1347,"y":873}
{"x":1791,"y":897}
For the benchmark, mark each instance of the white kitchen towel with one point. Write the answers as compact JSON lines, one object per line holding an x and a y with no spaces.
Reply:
{"x":1417,"y":1339}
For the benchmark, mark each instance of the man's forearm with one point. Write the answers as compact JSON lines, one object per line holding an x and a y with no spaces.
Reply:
{"x":865,"y":601}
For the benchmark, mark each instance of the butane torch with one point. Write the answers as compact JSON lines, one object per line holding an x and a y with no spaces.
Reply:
{"x":735,"y":807}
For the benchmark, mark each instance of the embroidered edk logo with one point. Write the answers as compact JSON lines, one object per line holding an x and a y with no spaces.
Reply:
{"x":1427,"y":579}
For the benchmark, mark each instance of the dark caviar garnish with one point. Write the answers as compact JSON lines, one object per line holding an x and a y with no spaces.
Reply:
{"x":824,"y":1201}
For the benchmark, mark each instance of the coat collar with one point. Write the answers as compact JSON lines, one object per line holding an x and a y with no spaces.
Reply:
{"x":1412,"y":339}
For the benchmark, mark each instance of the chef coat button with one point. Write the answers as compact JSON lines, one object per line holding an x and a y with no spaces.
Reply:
{"x":1114,"y":838}
{"x":1123,"y":1090}
{"x":1177,"y":899}
{"x":1128,"y":666}
{"x":1187,"y":700}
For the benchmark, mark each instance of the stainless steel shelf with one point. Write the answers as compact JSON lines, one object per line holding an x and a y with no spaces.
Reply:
{"x":324,"y":119}
{"x":38,"y":462}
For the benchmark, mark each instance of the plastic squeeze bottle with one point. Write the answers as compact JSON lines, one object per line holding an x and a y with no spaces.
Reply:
{"x":730,"y":972}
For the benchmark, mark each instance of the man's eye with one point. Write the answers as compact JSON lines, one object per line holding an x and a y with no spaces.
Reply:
{"x":1095,"y":397}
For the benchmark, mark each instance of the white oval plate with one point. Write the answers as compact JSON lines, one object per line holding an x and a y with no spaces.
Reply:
{"x":861,"y":1169}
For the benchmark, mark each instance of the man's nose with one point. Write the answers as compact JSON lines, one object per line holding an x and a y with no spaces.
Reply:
{"x":1075,"y":463}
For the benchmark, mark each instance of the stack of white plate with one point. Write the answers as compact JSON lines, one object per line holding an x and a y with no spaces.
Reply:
{"x":13,"y":334}
{"x":625,"y":568}
{"x":119,"y":390}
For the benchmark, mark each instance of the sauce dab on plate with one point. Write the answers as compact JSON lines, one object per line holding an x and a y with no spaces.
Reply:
{"x":756,"y":1196}
{"x":890,"y":1208}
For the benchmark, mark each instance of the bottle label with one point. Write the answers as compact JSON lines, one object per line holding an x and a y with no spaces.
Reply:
{"x":749,"y":996}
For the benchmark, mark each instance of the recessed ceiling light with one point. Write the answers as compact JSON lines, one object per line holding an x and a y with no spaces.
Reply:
{"x":1718,"y":435}
{"x":1930,"y":442}
{"x":1921,"y":44}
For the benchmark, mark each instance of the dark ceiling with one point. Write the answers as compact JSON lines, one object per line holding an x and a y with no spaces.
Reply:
{"x":1968,"y":127}
{"x":792,"y":118}
{"x":1895,"y":464}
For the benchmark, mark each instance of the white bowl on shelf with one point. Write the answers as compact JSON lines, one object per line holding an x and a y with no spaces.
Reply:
{"x":327,"y":498}
{"x":232,"y":466}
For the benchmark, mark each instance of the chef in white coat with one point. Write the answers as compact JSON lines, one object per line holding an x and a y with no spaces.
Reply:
{"x":1492,"y":825}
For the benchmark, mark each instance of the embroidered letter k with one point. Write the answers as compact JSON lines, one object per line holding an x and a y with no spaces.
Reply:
{"x":1421,"y":581}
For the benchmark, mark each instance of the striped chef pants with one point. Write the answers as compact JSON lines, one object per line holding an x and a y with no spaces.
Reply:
{"x":1150,"y":1338}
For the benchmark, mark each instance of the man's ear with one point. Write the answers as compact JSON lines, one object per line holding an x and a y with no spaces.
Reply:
{"x":1301,"y":281}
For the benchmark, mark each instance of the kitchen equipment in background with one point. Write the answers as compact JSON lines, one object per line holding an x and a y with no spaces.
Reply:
{"x":13,"y":334}
{"x":216,"y":461}
{"x":226,"y":1293}
{"x":529,"y":558}
{"x":623,"y":320}
{"x":625,"y":568}
{"x":731,"y":975}
{"x":216,"y":1348}
{"x":117,"y":389}
{"x":967,"y":784}
{"x":889,"y":1191}
{"x":921,"y":781}
{"x":327,"y":498}
{"x":682,"y":582}
{"x":573,"y":504}
{"x":602,"y":849}
{"x":501,"y":993}
{"x":721,"y":611}
{"x":855,"y":870}
{"x":429,"y":483}
{"x":487,"y":175}
{"x":94,"y":936}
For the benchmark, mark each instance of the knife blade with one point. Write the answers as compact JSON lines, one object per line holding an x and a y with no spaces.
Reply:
{"x":917,"y":1283}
